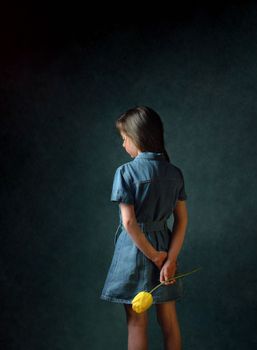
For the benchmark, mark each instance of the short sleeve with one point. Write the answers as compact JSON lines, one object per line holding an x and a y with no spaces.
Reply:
{"x":121,"y":189}
{"x":182,"y":191}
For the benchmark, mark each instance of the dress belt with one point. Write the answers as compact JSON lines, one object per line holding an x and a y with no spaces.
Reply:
{"x":145,"y":226}
{"x":153,"y":225}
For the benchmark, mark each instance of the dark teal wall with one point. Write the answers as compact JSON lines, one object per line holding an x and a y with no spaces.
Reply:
{"x":59,"y":153}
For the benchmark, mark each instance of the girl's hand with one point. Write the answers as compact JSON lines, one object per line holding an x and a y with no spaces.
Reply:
{"x":168,"y":270}
{"x":160,"y":258}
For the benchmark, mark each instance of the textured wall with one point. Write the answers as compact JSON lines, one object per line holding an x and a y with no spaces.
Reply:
{"x":59,"y":153}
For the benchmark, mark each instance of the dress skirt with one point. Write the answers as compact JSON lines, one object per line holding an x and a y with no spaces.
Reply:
{"x":131,"y":271}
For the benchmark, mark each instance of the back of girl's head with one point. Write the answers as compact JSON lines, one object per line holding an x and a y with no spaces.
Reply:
{"x":144,"y":126}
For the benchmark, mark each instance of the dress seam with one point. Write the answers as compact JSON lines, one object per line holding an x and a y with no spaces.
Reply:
{"x":126,"y":301}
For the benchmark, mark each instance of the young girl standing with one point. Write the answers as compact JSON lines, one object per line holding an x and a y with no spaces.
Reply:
{"x":149,"y":189}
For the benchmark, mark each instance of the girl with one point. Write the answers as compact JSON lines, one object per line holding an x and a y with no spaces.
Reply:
{"x":148,"y":189}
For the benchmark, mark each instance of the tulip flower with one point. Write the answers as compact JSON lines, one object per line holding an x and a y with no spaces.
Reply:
{"x":143,"y":300}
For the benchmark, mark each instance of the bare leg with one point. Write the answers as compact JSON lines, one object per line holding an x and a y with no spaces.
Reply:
{"x":137,"y":329}
{"x":168,"y":321}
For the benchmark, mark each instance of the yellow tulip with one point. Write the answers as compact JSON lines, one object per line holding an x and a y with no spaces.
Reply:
{"x":142,"y":301}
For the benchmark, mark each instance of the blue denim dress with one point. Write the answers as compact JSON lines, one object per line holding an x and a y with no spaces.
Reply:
{"x":153,"y":186}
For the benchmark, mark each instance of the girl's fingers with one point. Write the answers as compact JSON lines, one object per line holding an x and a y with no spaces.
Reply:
{"x":169,"y":282}
{"x":166,"y":280}
{"x":161,"y":276}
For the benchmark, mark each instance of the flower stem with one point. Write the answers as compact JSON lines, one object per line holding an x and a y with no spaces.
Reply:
{"x":175,"y":277}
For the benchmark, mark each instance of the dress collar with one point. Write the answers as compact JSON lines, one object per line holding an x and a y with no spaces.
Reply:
{"x":151,"y":155}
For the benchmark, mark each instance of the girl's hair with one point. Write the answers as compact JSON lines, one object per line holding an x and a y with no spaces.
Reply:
{"x":144,"y":126}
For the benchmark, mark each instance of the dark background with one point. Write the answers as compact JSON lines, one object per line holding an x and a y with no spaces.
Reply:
{"x":64,"y":81}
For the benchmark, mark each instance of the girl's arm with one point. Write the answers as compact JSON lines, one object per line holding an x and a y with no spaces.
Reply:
{"x":131,"y":226}
{"x":178,"y":230}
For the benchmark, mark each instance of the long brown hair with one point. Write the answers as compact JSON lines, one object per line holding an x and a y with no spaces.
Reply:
{"x":144,"y":126}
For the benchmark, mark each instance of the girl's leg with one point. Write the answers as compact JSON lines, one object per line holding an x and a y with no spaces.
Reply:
{"x":137,"y":328}
{"x":168,"y":321}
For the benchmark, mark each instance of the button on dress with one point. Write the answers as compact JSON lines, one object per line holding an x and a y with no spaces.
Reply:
{"x":153,"y":186}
